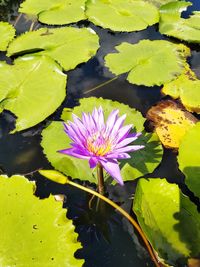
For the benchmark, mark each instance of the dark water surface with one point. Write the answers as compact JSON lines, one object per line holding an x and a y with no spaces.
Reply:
{"x":107,"y":239}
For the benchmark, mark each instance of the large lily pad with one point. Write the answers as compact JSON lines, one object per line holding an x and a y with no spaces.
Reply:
{"x":148,"y":62}
{"x":171,"y":122}
{"x":189,"y":159}
{"x":164,"y":214}
{"x":32,"y":88}
{"x":173,"y":25}
{"x":68,"y":46}
{"x":34,"y":232}
{"x":7,"y":33}
{"x":122,"y":15}
{"x":54,"y":139}
{"x":186,"y":87}
{"x":55,"y":12}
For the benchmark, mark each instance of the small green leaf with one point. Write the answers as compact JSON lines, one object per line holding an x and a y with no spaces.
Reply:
{"x":68,"y":46}
{"x":56,"y":12}
{"x":34,"y":232}
{"x":122,"y":15}
{"x":173,"y":25}
{"x":7,"y":33}
{"x":54,"y":138}
{"x":169,"y":219}
{"x":189,"y":159}
{"x":55,"y":176}
{"x":32,"y":89}
{"x":186,"y":87}
{"x":148,"y":62}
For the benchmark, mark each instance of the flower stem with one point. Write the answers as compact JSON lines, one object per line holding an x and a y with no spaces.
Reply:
{"x":125,"y":214}
{"x":100,"y":179}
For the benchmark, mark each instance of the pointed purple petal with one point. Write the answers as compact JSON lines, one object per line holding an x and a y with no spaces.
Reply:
{"x":112,"y":167}
{"x":93,"y":162}
{"x":123,"y":132}
{"x":111,"y":120}
{"x":73,"y":152}
{"x":128,"y":149}
{"x":127,"y":141}
{"x":101,"y":122}
{"x":118,"y":124}
{"x":118,"y":156}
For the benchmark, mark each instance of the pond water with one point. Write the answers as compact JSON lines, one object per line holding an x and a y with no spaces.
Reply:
{"x":107,"y":239}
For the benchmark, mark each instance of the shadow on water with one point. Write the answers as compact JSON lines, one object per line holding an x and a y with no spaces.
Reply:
{"x":107,"y":239}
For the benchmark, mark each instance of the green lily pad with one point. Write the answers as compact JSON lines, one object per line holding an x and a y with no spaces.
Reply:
{"x":54,"y":138}
{"x":32,"y":89}
{"x":34,"y":232}
{"x":173,"y":25}
{"x":56,"y":12}
{"x":148,"y":62}
{"x":189,"y":159}
{"x":169,"y":219}
{"x":186,"y":87}
{"x":122,"y":15}
{"x":68,"y":46}
{"x":7,"y":33}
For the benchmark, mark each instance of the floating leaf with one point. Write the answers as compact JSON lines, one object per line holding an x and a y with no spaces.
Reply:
{"x":122,"y":15}
{"x":171,"y":122}
{"x":54,"y":137}
{"x":189,"y":159}
{"x":148,"y":62}
{"x":56,"y":12}
{"x":7,"y":33}
{"x":68,"y":46}
{"x":32,"y":89}
{"x":34,"y":232}
{"x":186,"y":87}
{"x":164,"y":214}
{"x":173,"y":25}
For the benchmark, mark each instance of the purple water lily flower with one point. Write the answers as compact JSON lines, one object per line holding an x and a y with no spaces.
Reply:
{"x":100,"y":142}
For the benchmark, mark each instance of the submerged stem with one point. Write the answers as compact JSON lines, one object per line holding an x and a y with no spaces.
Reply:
{"x":124,"y":213}
{"x":101,"y":85}
{"x":100,"y":179}
{"x":17,"y":19}
{"x":32,"y":26}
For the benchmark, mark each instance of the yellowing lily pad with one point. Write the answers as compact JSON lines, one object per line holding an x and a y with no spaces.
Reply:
{"x":56,"y":12}
{"x":186,"y":87}
{"x":7,"y":33}
{"x":122,"y":15}
{"x":148,"y":62}
{"x":171,"y":122}
{"x":68,"y":46}
{"x":34,"y":232}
